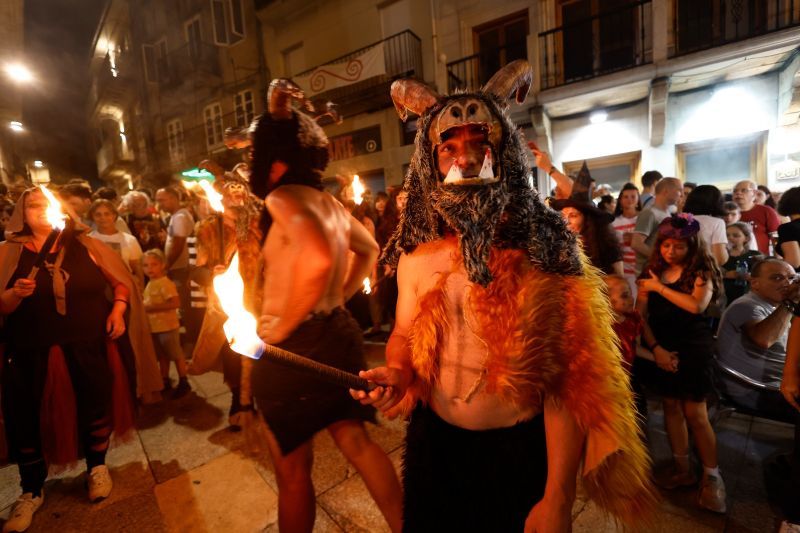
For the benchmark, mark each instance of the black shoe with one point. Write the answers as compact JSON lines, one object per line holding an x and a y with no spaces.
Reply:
{"x":182,"y":389}
{"x":167,"y":384}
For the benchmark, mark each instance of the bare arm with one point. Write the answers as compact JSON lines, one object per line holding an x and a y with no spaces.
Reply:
{"x":791,"y":253}
{"x":618,"y":268}
{"x":398,"y":373}
{"x":563,"y":182}
{"x":173,"y":303}
{"x":695,"y":303}
{"x":565,"y":442}
{"x":174,"y":250}
{"x":638,"y":244}
{"x":665,"y":359}
{"x":764,"y":333}
{"x":365,"y":251}
{"x":720,"y":253}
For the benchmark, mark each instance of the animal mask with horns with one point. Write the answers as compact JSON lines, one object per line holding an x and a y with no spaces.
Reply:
{"x":484,"y":195}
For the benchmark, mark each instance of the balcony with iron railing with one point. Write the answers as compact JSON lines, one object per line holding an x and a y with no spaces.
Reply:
{"x":471,"y":72}
{"x":609,"y":41}
{"x":702,"y":25}
{"x":114,"y":154}
{"x":113,"y":85}
{"x":191,"y":63}
{"x":402,"y":55}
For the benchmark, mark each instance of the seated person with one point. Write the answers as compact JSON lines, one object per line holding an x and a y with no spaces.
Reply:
{"x":752,"y":338}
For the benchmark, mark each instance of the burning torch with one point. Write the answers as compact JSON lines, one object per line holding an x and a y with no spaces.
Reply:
{"x":240,"y":330}
{"x":57,"y":220}
{"x":358,"y":197}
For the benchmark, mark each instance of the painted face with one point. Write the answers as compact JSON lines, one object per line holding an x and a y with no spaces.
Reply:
{"x":574,"y":219}
{"x":620,"y":296}
{"x":736,"y":238}
{"x":152,"y":266}
{"x":674,"y":251}
{"x":104,"y":218}
{"x":234,"y":194}
{"x":465,"y":147}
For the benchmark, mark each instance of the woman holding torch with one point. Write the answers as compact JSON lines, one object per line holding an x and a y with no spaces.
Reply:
{"x":64,"y":362}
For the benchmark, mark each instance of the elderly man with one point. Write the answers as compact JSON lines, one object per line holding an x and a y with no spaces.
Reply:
{"x":669,"y":192}
{"x":753,"y":333}
{"x":762,"y":218}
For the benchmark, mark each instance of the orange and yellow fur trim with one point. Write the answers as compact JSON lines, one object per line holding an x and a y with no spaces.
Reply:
{"x":550,"y":335}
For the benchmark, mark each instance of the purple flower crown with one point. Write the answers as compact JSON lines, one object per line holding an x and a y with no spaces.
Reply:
{"x":680,"y":226}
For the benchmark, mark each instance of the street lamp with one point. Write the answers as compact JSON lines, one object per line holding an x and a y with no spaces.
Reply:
{"x":19,"y":72}
{"x":16,"y":126}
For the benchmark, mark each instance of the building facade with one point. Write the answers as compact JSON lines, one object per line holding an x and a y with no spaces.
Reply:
{"x":167,"y":79}
{"x":12,"y":164}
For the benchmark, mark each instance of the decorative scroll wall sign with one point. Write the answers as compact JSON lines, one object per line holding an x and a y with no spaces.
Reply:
{"x":361,"y":67}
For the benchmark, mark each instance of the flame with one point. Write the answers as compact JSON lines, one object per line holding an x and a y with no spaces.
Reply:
{"x":214,"y":198}
{"x":240,"y":328}
{"x":367,"y":286}
{"x":55,"y":216}
{"x":358,"y":189}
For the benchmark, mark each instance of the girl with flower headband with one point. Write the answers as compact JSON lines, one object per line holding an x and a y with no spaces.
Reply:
{"x":680,"y":281}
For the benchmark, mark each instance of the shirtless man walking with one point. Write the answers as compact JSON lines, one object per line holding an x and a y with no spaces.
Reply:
{"x":502,"y":351}
{"x":307,"y":280}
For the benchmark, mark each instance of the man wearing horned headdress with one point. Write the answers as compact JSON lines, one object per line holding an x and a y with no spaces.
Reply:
{"x":502,"y":353}
{"x":316,"y":256}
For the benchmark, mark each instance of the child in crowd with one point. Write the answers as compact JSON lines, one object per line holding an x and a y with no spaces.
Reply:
{"x":736,"y":271}
{"x":628,"y":326}
{"x":675,"y":288}
{"x":161,"y":302}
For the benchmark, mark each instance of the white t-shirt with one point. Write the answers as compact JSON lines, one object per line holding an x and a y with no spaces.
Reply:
{"x":712,"y":230}
{"x":624,"y":227}
{"x":181,"y":224}
{"x":124,"y":244}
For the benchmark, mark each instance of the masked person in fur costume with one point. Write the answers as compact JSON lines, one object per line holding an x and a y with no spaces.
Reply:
{"x":241,"y":233}
{"x":73,"y":366}
{"x":503,"y":352}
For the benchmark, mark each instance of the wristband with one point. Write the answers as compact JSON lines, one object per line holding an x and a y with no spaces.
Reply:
{"x":121,"y":300}
{"x":552,"y":169}
{"x":654,"y":346}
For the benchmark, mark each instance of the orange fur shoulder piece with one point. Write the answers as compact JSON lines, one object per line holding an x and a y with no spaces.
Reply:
{"x":551,"y":335}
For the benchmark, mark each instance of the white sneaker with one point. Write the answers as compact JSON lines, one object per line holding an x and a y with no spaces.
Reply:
{"x":22,"y":513}
{"x":712,"y":494}
{"x":100,"y":483}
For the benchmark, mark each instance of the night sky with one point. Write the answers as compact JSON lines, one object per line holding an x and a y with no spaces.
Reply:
{"x":58,"y":35}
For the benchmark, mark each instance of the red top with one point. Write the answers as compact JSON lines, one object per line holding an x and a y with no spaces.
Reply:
{"x":628,"y":331}
{"x":763,"y":220}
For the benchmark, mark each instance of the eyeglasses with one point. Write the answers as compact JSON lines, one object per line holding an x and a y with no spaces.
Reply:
{"x":780,"y":278}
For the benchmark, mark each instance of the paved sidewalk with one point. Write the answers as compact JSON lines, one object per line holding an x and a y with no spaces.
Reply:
{"x":185,"y":471}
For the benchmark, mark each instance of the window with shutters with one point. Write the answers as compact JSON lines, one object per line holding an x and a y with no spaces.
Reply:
{"x":244,"y":108}
{"x":212,"y":116}
{"x":175,"y":141}
{"x":229,"y":23}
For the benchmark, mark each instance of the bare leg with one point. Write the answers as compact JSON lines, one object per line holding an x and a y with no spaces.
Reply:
{"x":704,"y":437}
{"x":296,"y":502}
{"x":374,"y":467}
{"x":180,"y":366}
{"x":675,"y":424}
{"x":163,"y":363}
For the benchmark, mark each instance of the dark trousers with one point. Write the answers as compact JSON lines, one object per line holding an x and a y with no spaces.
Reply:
{"x":455,"y":479}
{"x":23,"y":383}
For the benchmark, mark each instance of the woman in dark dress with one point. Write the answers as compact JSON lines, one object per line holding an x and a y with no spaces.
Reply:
{"x":788,"y":245}
{"x":60,"y":366}
{"x":675,"y":288}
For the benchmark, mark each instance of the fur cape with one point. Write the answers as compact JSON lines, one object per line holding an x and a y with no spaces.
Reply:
{"x":543,"y":314}
{"x":550,"y":335}
{"x":212,"y":337}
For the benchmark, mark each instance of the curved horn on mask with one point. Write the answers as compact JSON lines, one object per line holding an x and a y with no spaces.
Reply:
{"x":412,"y":95}
{"x":513,"y":79}
{"x":279,"y":98}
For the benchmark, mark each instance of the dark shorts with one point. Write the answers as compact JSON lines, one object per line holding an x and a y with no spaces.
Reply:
{"x":296,"y":405}
{"x":455,"y":479}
